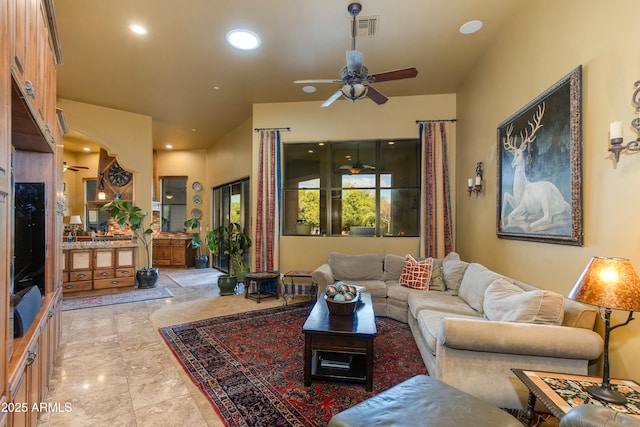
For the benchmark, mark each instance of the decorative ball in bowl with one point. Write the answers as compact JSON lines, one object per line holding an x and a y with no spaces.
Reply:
{"x":342,"y":300}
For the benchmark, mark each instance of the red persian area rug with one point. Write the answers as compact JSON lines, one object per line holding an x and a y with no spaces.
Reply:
{"x":250,"y":366}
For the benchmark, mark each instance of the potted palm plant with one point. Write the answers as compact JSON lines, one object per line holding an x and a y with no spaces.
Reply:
{"x":193,"y":225}
{"x":127,"y":214}
{"x":233,"y":243}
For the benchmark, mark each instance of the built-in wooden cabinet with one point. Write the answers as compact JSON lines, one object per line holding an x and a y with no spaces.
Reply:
{"x":173,"y":252}
{"x":30,"y":131}
{"x":5,"y":204}
{"x":34,"y":57}
{"x":95,"y":268}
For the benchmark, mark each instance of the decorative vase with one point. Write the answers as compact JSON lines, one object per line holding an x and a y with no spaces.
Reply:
{"x":227,"y":284}
{"x":201,"y":261}
{"x":147,"y":278}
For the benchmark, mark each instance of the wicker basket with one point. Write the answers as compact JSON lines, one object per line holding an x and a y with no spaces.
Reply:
{"x":342,"y":308}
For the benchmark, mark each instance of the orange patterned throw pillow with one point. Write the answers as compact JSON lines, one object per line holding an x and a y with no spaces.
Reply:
{"x":416,"y":274}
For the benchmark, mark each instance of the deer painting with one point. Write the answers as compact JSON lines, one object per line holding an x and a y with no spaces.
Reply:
{"x":533,"y":204}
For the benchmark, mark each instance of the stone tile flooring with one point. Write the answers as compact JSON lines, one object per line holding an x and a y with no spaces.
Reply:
{"x":114,"y":369}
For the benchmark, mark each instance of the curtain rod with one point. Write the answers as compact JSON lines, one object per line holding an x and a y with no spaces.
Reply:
{"x":283,"y":129}
{"x":436,"y":121}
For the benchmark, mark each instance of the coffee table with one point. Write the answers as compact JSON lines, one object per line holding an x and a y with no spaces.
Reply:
{"x":340,"y":348}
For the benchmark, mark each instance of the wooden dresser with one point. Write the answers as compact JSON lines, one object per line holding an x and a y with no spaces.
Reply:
{"x":173,"y":250}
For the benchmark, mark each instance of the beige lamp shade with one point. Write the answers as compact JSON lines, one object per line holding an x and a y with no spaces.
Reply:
{"x":75,"y":220}
{"x":608,"y":282}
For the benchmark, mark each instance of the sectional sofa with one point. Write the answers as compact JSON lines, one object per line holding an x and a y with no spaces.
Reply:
{"x":472,"y":333}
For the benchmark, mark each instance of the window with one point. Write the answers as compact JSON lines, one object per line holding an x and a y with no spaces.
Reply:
{"x":356,"y":188}
{"x":174,"y":203}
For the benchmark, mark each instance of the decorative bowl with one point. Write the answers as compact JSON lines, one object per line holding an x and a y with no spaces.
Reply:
{"x":342,"y":308}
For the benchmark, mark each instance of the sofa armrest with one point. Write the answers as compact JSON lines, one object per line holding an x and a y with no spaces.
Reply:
{"x":323,"y":277}
{"x":519,"y":338}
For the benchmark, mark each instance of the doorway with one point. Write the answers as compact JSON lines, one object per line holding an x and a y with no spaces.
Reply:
{"x":231,"y":204}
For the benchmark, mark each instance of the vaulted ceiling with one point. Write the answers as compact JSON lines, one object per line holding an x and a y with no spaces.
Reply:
{"x":197,"y":88}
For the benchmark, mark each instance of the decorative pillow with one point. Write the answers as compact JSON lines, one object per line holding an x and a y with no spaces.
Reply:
{"x":453,"y":270}
{"x":507,"y":302}
{"x":416,"y":274}
{"x":437,"y":279}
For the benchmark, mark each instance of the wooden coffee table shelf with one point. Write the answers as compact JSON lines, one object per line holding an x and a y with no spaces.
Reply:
{"x":351,"y":335}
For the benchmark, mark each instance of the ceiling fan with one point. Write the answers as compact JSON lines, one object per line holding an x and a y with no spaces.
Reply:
{"x":354,"y":78}
{"x":358,"y":166}
{"x":73,"y":168}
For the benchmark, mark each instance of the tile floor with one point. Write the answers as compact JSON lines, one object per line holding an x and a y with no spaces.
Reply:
{"x":114,"y":369}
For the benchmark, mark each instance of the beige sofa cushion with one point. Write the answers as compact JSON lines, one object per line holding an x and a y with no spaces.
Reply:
{"x":453,"y":270}
{"x":392,"y":267}
{"x":356,"y":267}
{"x":506,"y":302}
{"x":474,"y":283}
{"x":438,"y":301}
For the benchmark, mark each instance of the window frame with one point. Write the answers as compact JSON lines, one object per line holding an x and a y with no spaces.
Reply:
{"x":328,"y":175}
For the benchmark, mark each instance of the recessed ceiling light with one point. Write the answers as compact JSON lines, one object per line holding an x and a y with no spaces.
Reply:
{"x":86,"y":149}
{"x":243,"y":39}
{"x":216,"y":88}
{"x":471,"y":27}
{"x":168,"y":146}
{"x":309,"y":89}
{"x":138,"y":29}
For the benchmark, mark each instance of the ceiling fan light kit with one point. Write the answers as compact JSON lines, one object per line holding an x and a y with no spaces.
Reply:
{"x":354,"y":77}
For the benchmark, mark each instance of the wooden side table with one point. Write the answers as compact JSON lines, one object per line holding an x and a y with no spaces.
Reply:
{"x":298,"y":274}
{"x":263,"y":279}
{"x":561,"y":392}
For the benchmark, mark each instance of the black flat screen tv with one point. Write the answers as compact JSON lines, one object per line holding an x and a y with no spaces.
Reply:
{"x":29,"y":249}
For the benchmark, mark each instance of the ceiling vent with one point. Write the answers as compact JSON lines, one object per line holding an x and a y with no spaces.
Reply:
{"x":366,"y":26}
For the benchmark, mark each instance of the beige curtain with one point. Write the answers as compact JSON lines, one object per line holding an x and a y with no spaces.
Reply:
{"x":436,"y":239}
{"x":268,"y":204}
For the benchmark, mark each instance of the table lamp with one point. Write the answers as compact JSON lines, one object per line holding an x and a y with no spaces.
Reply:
{"x":609,"y":284}
{"x":74,"y":222}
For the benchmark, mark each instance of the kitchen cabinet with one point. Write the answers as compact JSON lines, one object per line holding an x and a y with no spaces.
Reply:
{"x":92,"y":268}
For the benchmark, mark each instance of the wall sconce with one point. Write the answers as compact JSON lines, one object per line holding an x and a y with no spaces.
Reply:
{"x":615,"y":130}
{"x":475,"y":186}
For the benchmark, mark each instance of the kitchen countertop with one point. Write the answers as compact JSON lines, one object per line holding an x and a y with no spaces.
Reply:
{"x":100,"y":244}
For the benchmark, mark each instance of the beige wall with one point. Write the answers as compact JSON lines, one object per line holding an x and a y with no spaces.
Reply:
{"x":544,"y":42}
{"x":345,"y":120}
{"x":124,"y":135}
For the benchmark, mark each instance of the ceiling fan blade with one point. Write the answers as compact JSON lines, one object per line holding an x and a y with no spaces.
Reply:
{"x":80,"y":167}
{"x":354,"y":61}
{"x":405,"y":73}
{"x":376,"y":96}
{"x":345,"y":167}
{"x":332,"y":98}
{"x":317,"y":81}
